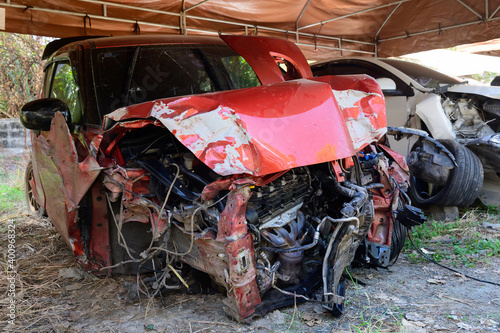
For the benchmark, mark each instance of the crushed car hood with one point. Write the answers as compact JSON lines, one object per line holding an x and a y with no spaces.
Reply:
{"x":270,"y":128}
{"x":486,"y":91}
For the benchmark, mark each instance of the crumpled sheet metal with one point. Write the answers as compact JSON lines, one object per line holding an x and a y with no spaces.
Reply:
{"x":269,"y":129}
{"x":77,"y":177}
{"x":362,"y":103}
{"x":260,"y":55}
{"x":58,"y":153}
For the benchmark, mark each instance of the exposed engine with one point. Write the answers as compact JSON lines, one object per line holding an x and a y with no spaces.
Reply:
{"x":468,"y":121}
{"x":263,"y":239}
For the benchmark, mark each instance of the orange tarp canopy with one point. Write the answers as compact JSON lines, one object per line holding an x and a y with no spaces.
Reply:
{"x":322,"y":28}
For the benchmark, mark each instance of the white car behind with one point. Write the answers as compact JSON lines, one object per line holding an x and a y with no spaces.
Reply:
{"x":464,"y":118}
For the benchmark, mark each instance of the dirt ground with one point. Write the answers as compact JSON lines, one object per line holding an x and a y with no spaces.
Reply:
{"x":54,"y":295}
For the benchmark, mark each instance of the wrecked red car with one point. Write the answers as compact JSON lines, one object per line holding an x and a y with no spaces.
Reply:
{"x":179,"y":156}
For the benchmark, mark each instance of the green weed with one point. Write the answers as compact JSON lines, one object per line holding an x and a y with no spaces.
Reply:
{"x":10,"y":198}
{"x":292,"y":322}
{"x":11,"y":190}
{"x":460,"y":243}
{"x":369,"y":324}
{"x":354,"y":282}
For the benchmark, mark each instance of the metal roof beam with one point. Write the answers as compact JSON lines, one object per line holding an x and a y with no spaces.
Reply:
{"x":301,"y":13}
{"x":144,"y":9}
{"x":336,"y":48}
{"x":387,"y":19}
{"x":92,"y":16}
{"x":494,"y":13}
{"x":436,"y":30}
{"x":260,"y":27}
{"x":194,"y":6}
{"x":353,"y":14}
{"x":470,"y":9}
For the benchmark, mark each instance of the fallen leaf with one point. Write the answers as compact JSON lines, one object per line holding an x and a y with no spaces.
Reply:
{"x":436,"y":281}
{"x":309,"y":316}
{"x":463,"y":277}
{"x":465,"y":326}
{"x":426,"y":251}
{"x":411,"y":328}
{"x":71,"y":273}
{"x":413,"y":316}
{"x":311,"y":319}
{"x":385,"y":297}
{"x":74,"y":286}
{"x":418,"y":323}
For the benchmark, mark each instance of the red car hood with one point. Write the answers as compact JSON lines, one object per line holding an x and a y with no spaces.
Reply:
{"x":271,"y":128}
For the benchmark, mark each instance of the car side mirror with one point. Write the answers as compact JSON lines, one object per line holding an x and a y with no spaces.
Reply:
{"x":495,"y":81}
{"x":37,"y":115}
{"x":386,"y":84}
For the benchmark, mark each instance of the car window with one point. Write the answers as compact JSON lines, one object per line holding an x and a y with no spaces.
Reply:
{"x":242,"y":75}
{"x":131,"y":75}
{"x":355,"y":66}
{"x":65,"y":88}
{"x":427,"y":77}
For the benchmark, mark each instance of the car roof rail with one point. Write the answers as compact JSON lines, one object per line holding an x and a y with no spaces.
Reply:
{"x":58,"y":43}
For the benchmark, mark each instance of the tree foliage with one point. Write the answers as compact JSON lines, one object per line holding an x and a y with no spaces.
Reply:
{"x":21,"y":74}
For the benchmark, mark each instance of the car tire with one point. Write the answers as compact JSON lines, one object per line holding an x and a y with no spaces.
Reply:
{"x":398,"y":239}
{"x":32,"y":205}
{"x":463,"y":184}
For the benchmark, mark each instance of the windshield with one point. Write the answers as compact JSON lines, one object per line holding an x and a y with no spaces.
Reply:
{"x":427,"y":77}
{"x":136,"y":74}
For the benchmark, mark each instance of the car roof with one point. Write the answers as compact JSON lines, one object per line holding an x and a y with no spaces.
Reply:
{"x":154,"y":39}
{"x":369,"y":59}
{"x":401,"y":68}
{"x":61,"y":45}
{"x":376,"y":61}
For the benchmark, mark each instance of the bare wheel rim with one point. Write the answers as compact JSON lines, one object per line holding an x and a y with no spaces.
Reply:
{"x":32,"y":204}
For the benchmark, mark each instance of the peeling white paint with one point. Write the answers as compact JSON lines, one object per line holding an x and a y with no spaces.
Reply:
{"x":160,"y":107}
{"x":360,"y":128}
{"x":118,"y":113}
{"x":198,"y":130}
{"x":350,"y":98}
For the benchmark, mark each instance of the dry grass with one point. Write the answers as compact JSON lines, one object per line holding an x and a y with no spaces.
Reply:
{"x":45,"y":300}
{"x":40,"y":253}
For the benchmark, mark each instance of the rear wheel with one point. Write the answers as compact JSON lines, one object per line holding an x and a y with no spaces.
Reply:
{"x":463,"y":184}
{"x":32,"y":205}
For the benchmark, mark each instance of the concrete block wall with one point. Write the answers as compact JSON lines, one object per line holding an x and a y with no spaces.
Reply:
{"x":13,"y":134}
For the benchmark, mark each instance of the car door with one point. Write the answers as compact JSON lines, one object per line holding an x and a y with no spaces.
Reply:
{"x":64,"y":175}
